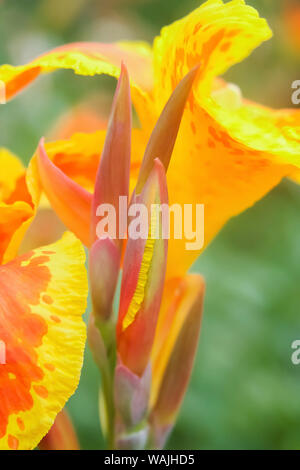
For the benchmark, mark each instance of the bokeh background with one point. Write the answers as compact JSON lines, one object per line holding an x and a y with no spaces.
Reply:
{"x":245,"y":391}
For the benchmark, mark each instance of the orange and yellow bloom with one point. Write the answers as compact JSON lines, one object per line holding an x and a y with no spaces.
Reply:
{"x":227,"y":153}
{"x":42,"y":298}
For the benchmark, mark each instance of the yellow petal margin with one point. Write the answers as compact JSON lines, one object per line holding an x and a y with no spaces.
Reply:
{"x":88,"y":58}
{"x":42,"y":298}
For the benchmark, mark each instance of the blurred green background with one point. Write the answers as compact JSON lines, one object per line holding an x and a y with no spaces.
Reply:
{"x":245,"y":392}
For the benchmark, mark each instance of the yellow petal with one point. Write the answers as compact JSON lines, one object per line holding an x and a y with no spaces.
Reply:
{"x":215,"y":35}
{"x":20,"y":196}
{"x":263,"y":129}
{"x":226,"y":157}
{"x":211,"y":167}
{"x":12,"y":171}
{"x":87,"y":58}
{"x":78,"y":157}
{"x":43,"y":296}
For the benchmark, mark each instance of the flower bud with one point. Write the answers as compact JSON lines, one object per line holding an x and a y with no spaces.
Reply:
{"x":174,"y":353}
{"x":143,"y":277}
{"x":104,"y":265}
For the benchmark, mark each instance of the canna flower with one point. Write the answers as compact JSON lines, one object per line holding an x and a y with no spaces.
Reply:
{"x":229,"y":153}
{"x":42,"y":298}
{"x":144,"y":264}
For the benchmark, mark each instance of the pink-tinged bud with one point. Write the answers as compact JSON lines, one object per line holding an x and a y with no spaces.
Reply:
{"x":61,"y":436}
{"x":104,"y":265}
{"x":163,"y":137}
{"x":174,"y":353}
{"x":96,"y":343}
{"x":71,"y":202}
{"x":143,"y":275}
{"x":112,"y":179}
{"x":132,"y":394}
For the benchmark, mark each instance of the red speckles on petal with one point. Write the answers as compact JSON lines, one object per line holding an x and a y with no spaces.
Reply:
{"x":213,"y":133}
{"x":225,"y":46}
{"x":197,"y":28}
{"x":233,"y":33}
{"x":55,"y":318}
{"x":20,"y":81}
{"x":47,"y":299}
{"x":13,"y":442}
{"x":220,"y":136}
{"x":211,"y":45}
{"x":193,"y":127}
{"x":20,"y":424}
{"x":237,"y":152}
{"x":41,"y":391}
{"x":49,"y":367}
{"x":21,"y":285}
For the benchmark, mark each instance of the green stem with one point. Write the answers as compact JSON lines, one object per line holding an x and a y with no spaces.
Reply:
{"x":102,"y":343}
{"x":107,"y":384}
{"x":107,"y":368}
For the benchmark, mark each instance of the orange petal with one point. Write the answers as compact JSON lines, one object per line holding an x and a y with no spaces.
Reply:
{"x":82,"y":118}
{"x":79,"y":156}
{"x":14,"y":172}
{"x":91,"y":58}
{"x":215,"y":35}
{"x":69,"y":200}
{"x":88,"y":58}
{"x":225,"y":157}
{"x":43,"y":296}
{"x":12,"y":217}
{"x":291,"y":21}
{"x":211,"y":167}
